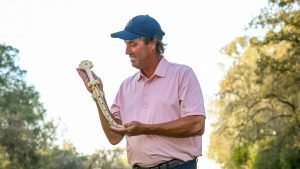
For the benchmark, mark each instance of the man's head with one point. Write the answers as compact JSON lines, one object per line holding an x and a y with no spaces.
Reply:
{"x":140,"y":26}
{"x":145,"y":27}
{"x":143,"y":38}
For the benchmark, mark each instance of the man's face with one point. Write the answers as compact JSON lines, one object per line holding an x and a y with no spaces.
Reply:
{"x":139,"y":53}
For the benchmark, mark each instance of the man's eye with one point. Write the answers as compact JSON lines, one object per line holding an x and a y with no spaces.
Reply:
{"x":132,"y":44}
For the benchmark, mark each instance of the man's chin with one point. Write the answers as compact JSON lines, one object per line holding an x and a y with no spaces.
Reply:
{"x":135,"y":65}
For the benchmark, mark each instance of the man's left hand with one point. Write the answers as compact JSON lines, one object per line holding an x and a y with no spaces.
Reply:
{"x":131,"y":129}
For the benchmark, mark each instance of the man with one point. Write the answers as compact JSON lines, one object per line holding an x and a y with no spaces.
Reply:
{"x":161,"y":106}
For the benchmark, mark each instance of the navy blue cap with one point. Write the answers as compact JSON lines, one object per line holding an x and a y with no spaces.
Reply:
{"x":141,"y":25}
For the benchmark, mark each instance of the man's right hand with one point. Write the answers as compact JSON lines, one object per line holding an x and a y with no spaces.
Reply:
{"x":86,"y":79}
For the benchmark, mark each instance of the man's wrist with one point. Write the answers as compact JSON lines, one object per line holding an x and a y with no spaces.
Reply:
{"x":148,"y":129}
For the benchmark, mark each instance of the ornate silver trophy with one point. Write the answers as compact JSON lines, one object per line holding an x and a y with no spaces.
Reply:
{"x":98,"y":95}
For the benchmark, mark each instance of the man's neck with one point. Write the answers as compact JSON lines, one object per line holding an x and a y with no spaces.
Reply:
{"x":148,"y":72}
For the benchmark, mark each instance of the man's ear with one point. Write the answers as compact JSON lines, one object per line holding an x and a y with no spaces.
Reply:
{"x":153,"y":44}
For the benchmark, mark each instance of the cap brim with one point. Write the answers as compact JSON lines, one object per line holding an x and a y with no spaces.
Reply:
{"x":125,"y":35}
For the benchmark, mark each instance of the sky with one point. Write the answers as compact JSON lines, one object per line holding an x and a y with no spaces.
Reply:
{"x":54,"y":36}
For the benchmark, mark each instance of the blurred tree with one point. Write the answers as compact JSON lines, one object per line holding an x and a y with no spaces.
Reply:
{"x":23,"y":129}
{"x":4,"y":160}
{"x":108,"y":159}
{"x":258,"y":106}
{"x":62,"y":158}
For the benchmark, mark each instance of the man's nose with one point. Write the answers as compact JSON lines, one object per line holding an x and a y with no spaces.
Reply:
{"x":128,"y":51}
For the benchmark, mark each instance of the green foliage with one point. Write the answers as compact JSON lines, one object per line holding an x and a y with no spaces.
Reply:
{"x":258,"y":107}
{"x":4,"y":158}
{"x":240,"y":155}
{"x":62,"y":158}
{"x":108,"y":159}
{"x":22,"y":125}
{"x":26,"y":138}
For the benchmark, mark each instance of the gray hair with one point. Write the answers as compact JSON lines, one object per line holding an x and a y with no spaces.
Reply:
{"x":160,"y":46}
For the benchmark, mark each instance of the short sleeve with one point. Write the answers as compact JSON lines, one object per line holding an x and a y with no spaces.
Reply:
{"x":190,"y":95}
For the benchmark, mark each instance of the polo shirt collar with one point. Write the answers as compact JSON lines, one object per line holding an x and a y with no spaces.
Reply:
{"x":160,"y":71}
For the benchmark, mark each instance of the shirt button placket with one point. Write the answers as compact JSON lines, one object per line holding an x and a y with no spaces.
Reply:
{"x":145,"y":95}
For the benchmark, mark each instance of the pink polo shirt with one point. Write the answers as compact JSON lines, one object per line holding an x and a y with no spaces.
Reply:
{"x":172,"y":92}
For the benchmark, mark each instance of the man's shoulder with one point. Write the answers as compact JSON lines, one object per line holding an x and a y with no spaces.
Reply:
{"x":179,"y":67}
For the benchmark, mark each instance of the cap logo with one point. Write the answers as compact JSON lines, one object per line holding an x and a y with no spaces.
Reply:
{"x":129,"y":23}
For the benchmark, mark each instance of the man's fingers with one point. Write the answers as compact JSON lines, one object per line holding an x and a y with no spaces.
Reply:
{"x":84,"y":78}
{"x":83,"y":75}
{"x":96,"y":77}
{"x":119,"y":130}
{"x":128,"y":124}
{"x":133,"y":123}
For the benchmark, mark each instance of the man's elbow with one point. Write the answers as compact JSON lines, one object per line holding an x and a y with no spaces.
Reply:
{"x":200,"y":126}
{"x":114,"y":141}
{"x":201,"y":131}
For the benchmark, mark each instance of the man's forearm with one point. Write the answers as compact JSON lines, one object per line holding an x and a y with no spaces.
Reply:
{"x":183,"y":127}
{"x":113,"y":137}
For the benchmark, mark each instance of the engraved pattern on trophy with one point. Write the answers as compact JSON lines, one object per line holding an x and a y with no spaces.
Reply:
{"x":98,"y":95}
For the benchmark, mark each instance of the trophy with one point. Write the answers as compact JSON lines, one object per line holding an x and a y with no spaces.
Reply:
{"x":98,"y":95}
